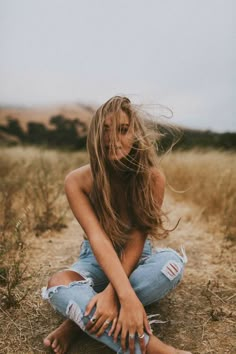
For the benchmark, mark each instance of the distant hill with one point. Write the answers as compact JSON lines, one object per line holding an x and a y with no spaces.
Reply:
{"x":57,"y":126}
{"x":42,"y":114}
{"x":67,"y":126}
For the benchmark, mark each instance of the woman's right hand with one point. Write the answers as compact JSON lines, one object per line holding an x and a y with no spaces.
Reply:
{"x":132,"y":321}
{"x":106,"y":313}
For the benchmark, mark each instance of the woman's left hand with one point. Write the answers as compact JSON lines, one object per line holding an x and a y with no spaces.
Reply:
{"x":107,"y":308}
{"x":132,"y":321}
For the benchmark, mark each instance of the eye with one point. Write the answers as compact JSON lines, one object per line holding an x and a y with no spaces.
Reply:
{"x":123,"y":130}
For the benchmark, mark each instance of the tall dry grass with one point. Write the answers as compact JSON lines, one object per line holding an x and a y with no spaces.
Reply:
{"x":207,"y":178}
{"x":31,"y":185}
{"x":32,"y":201}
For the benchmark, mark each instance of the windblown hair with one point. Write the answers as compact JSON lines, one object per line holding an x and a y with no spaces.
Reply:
{"x":134,"y":172}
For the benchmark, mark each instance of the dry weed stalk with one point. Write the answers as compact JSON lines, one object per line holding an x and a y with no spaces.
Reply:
{"x":12,"y":268}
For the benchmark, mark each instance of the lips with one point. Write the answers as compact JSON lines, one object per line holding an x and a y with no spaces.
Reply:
{"x":115,"y":148}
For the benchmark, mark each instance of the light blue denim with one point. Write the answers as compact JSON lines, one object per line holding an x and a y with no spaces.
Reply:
{"x":157,"y":272}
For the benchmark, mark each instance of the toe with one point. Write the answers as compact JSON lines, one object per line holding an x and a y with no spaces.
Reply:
{"x":57,"y":349}
{"x":54,"y":343}
{"x":47,"y":342}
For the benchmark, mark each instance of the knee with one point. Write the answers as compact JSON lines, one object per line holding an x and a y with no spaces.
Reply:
{"x":64,"y":278}
{"x":56,"y":279}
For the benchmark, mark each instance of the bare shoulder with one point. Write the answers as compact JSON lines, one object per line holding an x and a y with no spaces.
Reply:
{"x":82,"y":177}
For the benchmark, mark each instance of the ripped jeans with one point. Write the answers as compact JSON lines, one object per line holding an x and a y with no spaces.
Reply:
{"x":157,"y":272}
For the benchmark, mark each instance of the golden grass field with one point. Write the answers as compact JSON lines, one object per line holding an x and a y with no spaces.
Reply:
{"x":39,"y":236}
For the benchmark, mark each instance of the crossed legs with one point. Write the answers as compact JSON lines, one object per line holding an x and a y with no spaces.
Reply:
{"x":60,"y":339}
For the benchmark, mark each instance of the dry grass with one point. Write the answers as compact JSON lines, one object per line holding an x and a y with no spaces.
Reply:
{"x":200,"y":313}
{"x":208,"y":179}
{"x":32,"y":186}
{"x":33,"y":201}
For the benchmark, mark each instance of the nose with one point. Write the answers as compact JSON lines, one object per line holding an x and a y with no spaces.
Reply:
{"x":107,"y":138}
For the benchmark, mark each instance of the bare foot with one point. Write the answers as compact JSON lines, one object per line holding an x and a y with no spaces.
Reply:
{"x":156,"y":346}
{"x":60,"y":339}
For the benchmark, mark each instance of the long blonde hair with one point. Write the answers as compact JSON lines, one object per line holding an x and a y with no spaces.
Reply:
{"x":134,"y":171}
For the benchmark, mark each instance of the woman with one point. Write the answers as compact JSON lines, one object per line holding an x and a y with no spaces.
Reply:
{"x":117,"y":200}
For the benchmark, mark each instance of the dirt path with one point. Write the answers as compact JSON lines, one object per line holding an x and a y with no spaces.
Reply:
{"x":199,"y":312}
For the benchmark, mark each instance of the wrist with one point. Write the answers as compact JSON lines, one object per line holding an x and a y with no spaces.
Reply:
{"x":127,"y":295}
{"x":110,"y":290}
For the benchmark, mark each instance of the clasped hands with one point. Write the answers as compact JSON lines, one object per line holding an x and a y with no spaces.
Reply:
{"x":126,"y":317}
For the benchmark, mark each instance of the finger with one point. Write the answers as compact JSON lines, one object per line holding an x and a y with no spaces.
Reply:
{"x":90,"y":306}
{"x":54,"y":343}
{"x":103,"y":328}
{"x":147,"y":326}
{"x":112,"y":327}
{"x":99,"y":323}
{"x":96,"y":326}
{"x":132,"y":343}
{"x":91,"y":322}
{"x":117,"y":331}
{"x":123,"y":339}
{"x":141,"y":338}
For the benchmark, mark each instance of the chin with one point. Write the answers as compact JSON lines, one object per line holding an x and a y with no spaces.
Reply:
{"x":117,"y":157}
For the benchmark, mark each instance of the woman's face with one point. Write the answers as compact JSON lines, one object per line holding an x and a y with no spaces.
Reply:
{"x":124,"y":137}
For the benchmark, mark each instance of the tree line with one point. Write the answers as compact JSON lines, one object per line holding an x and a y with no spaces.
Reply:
{"x":72,"y":133}
{"x":62,"y":132}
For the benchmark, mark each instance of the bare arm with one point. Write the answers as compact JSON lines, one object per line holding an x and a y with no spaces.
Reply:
{"x":135,"y":244}
{"x":76,"y":187}
{"x":106,"y":302}
{"x":131,"y":254}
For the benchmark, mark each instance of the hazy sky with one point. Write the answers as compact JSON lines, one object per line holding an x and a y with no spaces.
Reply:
{"x":179,"y":53}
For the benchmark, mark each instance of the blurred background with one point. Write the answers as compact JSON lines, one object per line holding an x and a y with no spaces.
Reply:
{"x":65,"y":58}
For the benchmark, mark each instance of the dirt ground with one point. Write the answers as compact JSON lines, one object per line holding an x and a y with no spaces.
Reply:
{"x":200,"y":312}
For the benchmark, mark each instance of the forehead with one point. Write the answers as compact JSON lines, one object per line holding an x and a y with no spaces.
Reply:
{"x":122,"y":118}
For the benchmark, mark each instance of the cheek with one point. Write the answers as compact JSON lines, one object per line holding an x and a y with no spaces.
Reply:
{"x":127,"y":141}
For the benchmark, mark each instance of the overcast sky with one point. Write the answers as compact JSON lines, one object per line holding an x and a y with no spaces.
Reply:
{"x":179,"y":53}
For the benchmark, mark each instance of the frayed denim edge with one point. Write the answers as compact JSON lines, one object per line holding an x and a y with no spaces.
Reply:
{"x":46,"y":292}
{"x":183,"y":257}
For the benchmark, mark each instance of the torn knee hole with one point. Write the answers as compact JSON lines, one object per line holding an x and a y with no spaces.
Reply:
{"x":64,"y":278}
